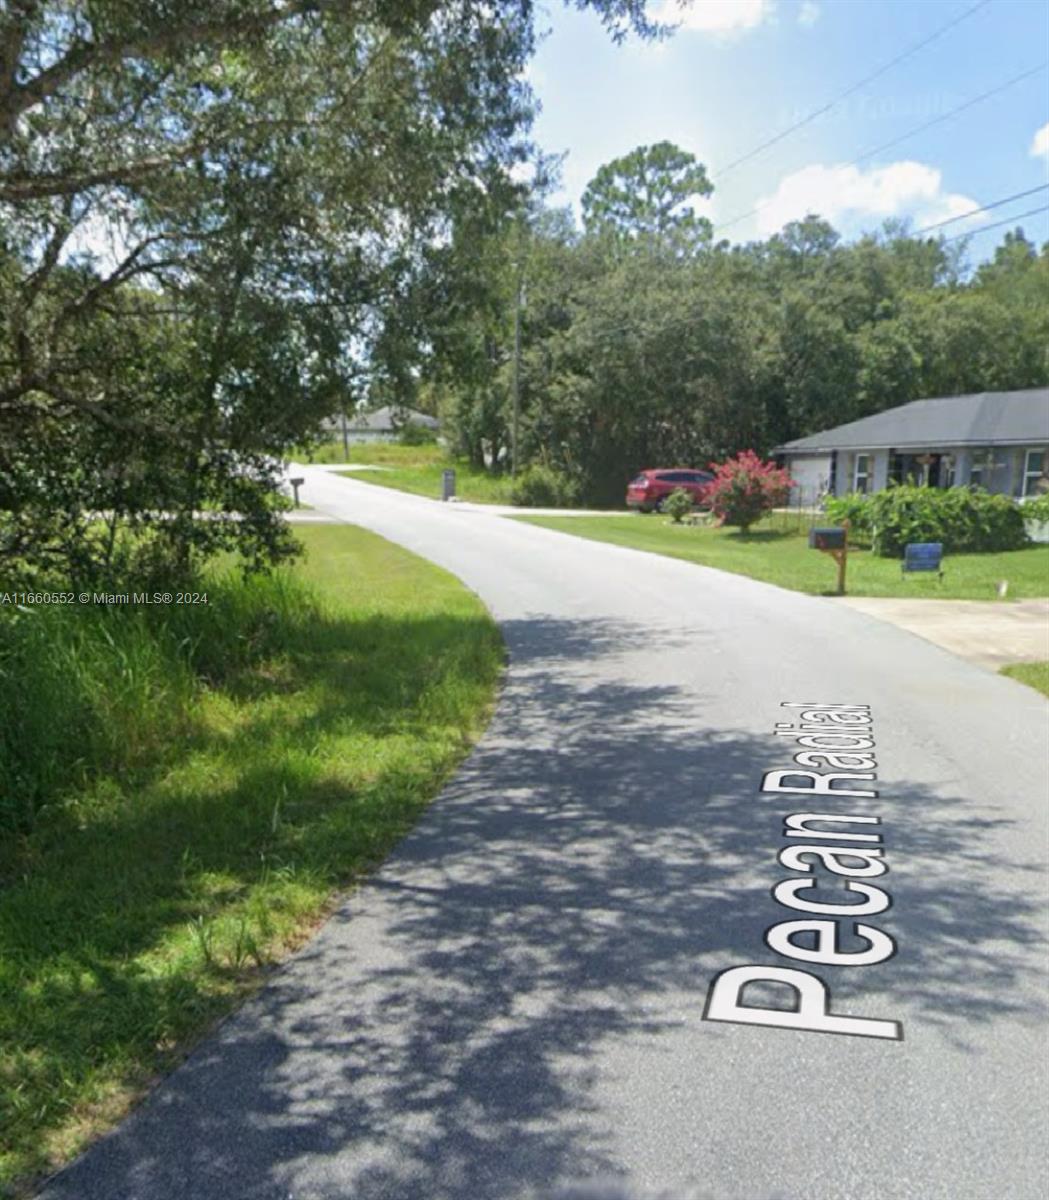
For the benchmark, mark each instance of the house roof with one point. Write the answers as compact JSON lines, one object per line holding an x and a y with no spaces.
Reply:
{"x":980,"y":419}
{"x":384,"y":420}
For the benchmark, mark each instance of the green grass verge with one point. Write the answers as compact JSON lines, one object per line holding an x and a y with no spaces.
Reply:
{"x":470,"y":484}
{"x":187,"y":789}
{"x":421,"y":474}
{"x":386,"y":454}
{"x":783,"y":558}
{"x":414,"y":469}
{"x":1034,"y":674}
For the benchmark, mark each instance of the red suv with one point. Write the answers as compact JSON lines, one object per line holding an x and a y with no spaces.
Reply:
{"x":651,"y":487}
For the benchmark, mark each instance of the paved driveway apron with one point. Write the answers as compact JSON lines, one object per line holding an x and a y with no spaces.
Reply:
{"x":516,"y":1001}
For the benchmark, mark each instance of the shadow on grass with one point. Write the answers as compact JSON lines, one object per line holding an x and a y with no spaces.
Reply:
{"x":594,"y":862}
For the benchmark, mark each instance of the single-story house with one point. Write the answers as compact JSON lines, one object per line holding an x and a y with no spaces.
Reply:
{"x":997,"y":440}
{"x":377,"y":425}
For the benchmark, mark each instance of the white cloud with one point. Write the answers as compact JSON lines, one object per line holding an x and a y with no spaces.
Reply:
{"x":853,"y":199}
{"x":1040,"y":143}
{"x":718,"y":17}
{"x":809,"y":13}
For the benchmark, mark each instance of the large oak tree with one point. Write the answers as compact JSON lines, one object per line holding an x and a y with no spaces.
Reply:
{"x":210,"y":210}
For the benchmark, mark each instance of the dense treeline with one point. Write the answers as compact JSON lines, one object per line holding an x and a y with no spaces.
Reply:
{"x":643,"y":342}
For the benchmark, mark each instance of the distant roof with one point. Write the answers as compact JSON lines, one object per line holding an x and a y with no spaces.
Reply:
{"x":384,"y":420}
{"x":980,"y":419}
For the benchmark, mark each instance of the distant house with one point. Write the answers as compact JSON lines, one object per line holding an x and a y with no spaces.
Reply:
{"x":378,"y":425}
{"x":997,"y":440}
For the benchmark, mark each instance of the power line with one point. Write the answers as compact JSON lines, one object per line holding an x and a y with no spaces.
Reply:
{"x":953,"y":112}
{"x":983,"y":208}
{"x":854,"y":88}
{"x":904,"y":136}
{"x":998,"y":224}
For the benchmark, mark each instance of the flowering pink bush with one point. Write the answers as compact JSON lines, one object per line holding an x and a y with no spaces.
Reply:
{"x":744,"y":489}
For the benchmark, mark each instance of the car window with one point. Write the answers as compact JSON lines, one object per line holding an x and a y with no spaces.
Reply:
{"x":699,"y":477}
{"x":671,"y":476}
{"x":639,"y":480}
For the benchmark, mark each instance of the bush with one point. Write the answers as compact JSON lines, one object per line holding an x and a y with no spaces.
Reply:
{"x":540,"y":486}
{"x":416,"y":435}
{"x":744,"y":489}
{"x":1036,"y":508}
{"x":854,"y":508}
{"x":965,"y":520}
{"x":678,"y":505}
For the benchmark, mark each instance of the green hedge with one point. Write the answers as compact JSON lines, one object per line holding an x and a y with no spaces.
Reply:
{"x":1036,"y":508}
{"x":965,"y":520}
{"x":854,"y":508}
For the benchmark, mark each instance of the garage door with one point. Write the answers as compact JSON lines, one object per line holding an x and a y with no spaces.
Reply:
{"x":811,"y":475}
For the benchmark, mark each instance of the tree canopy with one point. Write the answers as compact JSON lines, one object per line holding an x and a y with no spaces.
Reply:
{"x":646,"y":195}
{"x":633,"y":358}
{"x":211,"y":214}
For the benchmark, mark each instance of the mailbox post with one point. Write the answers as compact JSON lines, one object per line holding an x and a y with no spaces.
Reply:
{"x":447,"y":483}
{"x":835,"y":542}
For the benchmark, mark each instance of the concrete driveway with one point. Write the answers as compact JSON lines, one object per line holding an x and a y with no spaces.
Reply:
{"x":542,"y":986}
{"x":988,"y":633}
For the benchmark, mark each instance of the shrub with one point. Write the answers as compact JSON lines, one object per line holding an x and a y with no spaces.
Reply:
{"x":678,"y":505}
{"x":965,"y":520}
{"x":854,"y":508}
{"x":744,"y":489}
{"x":416,"y":435}
{"x":540,"y":486}
{"x":1036,"y":508}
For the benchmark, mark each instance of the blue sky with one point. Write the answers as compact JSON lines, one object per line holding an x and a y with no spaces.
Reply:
{"x":739,"y":71}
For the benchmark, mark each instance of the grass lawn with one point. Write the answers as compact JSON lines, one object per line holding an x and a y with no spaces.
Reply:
{"x":1035,"y":674}
{"x":418,"y":469}
{"x":384,"y":454}
{"x":165,"y":838}
{"x":785,"y":559}
{"x":415,"y":469}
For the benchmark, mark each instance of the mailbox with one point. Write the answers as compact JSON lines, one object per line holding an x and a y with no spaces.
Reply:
{"x":447,"y":484}
{"x":827,"y":539}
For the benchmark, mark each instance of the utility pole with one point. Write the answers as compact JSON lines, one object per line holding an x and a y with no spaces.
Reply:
{"x":515,"y":431}
{"x":345,"y":438}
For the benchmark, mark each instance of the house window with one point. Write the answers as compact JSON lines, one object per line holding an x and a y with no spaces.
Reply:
{"x":861,"y":480}
{"x":982,"y":469}
{"x":1034,"y":472}
{"x":948,"y":470}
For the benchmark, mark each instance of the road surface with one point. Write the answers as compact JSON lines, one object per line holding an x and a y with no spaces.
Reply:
{"x":519,"y":1003}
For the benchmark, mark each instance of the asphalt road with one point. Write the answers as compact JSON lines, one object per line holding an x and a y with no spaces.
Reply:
{"x":514,"y":1005}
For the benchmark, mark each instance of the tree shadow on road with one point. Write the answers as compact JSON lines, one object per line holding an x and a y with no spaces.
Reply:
{"x":591,"y":867}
